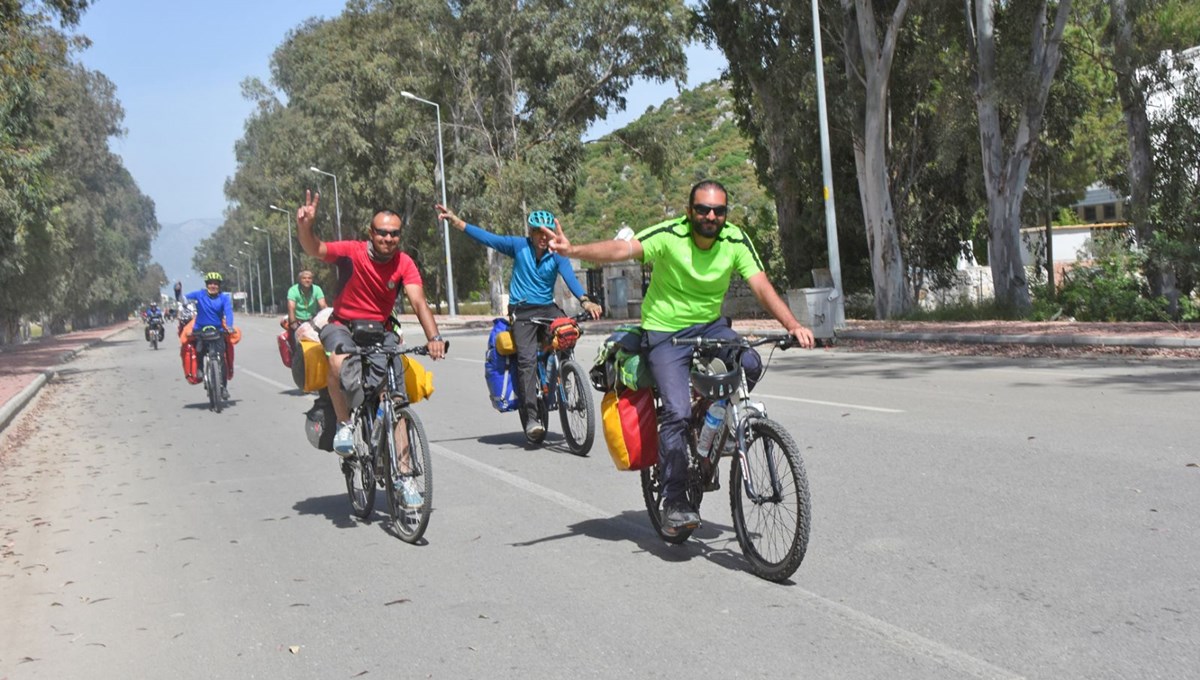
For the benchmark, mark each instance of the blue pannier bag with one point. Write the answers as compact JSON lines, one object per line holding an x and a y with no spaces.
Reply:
{"x":500,"y":371}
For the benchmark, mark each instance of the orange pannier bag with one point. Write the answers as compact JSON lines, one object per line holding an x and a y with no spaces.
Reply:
{"x":564,"y":333}
{"x":630,"y":428}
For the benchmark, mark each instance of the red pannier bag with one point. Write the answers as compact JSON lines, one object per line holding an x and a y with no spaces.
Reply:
{"x":630,"y":428}
{"x":564,"y":333}
{"x":285,"y":349}
{"x":187,"y":354}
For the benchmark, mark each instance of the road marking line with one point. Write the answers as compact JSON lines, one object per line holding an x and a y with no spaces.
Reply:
{"x":267,"y":380}
{"x":818,"y":402}
{"x":904,"y":640}
{"x":470,"y":361}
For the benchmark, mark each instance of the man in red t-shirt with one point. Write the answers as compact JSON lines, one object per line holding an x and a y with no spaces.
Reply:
{"x":371,"y":274}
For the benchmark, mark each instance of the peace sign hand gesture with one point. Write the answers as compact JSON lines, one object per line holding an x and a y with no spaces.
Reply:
{"x":306,"y":215}
{"x":558,"y":243}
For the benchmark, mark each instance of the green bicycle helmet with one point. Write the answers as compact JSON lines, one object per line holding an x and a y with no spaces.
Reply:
{"x":213,"y":276}
{"x":541,"y":218}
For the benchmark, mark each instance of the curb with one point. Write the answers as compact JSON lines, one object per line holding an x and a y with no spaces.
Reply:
{"x":13,"y":406}
{"x":1048,"y":340}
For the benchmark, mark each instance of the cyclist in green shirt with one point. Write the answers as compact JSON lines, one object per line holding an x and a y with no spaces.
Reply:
{"x":305,"y":299}
{"x":694,"y":257}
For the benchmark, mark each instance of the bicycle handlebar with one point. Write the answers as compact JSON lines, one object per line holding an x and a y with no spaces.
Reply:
{"x":781,"y":340}
{"x":547,"y":320}
{"x":380,"y":349}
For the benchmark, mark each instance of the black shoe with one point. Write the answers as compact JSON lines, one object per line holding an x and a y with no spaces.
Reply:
{"x":678,"y":515}
{"x":225,"y":393}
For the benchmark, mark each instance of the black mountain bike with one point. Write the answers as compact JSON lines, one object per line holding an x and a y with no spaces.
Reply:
{"x":563,"y":386}
{"x":768,"y":488}
{"x":214,"y":365}
{"x":155,"y":332}
{"x":381,"y":458}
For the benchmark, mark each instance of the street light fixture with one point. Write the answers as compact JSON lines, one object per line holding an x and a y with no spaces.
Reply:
{"x":445,"y":225}
{"x":270,"y":267}
{"x":337,"y":205}
{"x":257,"y":268}
{"x":291,"y":257}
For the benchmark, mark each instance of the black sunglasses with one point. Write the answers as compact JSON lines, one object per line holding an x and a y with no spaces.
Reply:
{"x":386,"y":233}
{"x":702,"y":210}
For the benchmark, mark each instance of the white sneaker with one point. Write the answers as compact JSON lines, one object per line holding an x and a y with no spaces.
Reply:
{"x":343,"y":441}
{"x":412,"y":493}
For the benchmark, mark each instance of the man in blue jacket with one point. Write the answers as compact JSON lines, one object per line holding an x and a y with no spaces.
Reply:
{"x":213,"y":308}
{"x":530,"y":293}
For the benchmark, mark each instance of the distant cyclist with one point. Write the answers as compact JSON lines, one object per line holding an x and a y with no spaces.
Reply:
{"x":213,"y":308}
{"x":694,"y":256}
{"x":305,"y":299}
{"x":530,"y":294}
{"x":153,"y":317}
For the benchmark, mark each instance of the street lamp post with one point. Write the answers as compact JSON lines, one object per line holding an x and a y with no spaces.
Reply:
{"x":291,"y":257}
{"x":445,"y":224}
{"x":835,"y":262}
{"x":270,"y":267}
{"x":249,"y":281}
{"x":238,"y":271}
{"x":257,"y":268}
{"x":337,"y":205}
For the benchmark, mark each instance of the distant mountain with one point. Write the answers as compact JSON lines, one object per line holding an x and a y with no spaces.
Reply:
{"x":174,"y":247}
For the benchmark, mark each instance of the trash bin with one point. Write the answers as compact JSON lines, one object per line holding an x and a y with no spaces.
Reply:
{"x":814,"y":308}
{"x":618,"y":296}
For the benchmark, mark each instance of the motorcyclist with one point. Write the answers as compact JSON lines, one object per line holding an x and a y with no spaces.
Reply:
{"x":153,"y":317}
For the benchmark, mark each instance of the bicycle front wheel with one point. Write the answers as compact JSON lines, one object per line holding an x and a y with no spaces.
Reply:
{"x":212,"y":383}
{"x":577,"y":410}
{"x":359,"y":470}
{"x":409,"y":485}
{"x":772,"y":525}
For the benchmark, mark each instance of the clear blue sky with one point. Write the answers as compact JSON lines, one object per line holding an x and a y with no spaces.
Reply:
{"x":178,"y":66}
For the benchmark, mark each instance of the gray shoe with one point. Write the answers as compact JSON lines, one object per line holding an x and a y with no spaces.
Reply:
{"x":534,"y":431}
{"x":343,"y":441}
{"x":677,"y":515}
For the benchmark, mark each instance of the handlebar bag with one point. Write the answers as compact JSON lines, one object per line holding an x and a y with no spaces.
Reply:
{"x":630,"y":428}
{"x":564,"y":333}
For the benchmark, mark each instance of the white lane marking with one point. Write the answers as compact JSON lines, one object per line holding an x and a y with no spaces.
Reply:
{"x":469,"y":361}
{"x":818,"y":402}
{"x":265,"y":379}
{"x":904,"y":640}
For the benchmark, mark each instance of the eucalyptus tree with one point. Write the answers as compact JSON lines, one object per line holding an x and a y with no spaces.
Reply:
{"x":1015,"y":51}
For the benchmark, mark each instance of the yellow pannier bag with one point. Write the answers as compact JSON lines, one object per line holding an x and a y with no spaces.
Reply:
{"x":418,"y":382}
{"x":505,"y":345}
{"x":310,"y":367}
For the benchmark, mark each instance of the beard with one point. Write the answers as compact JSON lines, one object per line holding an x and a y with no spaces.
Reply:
{"x":706,"y":228}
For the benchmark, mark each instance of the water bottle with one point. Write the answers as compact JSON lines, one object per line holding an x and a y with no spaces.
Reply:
{"x":712,"y":424}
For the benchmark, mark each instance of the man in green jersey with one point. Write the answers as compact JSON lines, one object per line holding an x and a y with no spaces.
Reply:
{"x":305,"y":299}
{"x":693,"y":257}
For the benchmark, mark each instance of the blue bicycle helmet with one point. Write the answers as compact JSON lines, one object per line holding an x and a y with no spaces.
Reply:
{"x":541,"y":218}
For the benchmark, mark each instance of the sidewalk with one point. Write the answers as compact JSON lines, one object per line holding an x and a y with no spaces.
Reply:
{"x":25,"y":368}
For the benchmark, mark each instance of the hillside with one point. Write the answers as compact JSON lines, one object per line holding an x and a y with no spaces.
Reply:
{"x":693,"y":137}
{"x":174,"y":247}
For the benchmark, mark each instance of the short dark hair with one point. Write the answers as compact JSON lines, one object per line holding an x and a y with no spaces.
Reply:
{"x":706,"y":184}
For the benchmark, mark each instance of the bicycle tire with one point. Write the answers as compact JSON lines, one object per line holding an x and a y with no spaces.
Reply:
{"x":359,"y":471}
{"x":577,"y":411}
{"x":773,"y":532}
{"x":154,"y":341}
{"x":652,"y":496}
{"x":409,"y":522}
{"x":212,"y":383}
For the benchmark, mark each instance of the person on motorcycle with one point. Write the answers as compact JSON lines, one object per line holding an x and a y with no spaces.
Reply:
{"x":153,"y":317}
{"x":531,"y":295}
{"x":213,"y":308}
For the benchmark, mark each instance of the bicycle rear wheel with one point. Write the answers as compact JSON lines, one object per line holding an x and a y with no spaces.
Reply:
{"x":772,"y":526}
{"x":359,"y":470}
{"x":409,"y":519}
{"x":577,"y":410}
{"x":652,"y":495}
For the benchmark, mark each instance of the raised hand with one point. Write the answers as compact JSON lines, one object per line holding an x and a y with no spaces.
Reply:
{"x":306,"y":215}
{"x":447,"y":214}
{"x":559,"y":243}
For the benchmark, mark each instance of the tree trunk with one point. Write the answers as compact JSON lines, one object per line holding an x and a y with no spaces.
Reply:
{"x":1005,"y":171}
{"x":870,"y":152}
{"x":1141,"y":165}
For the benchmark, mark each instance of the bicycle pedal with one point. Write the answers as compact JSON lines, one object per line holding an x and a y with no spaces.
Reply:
{"x":714,"y":485}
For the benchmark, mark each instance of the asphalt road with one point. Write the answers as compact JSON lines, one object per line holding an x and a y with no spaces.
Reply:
{"x":973,"y":518}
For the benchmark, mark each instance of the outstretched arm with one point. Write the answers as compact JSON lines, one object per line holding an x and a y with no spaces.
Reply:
{"x":306,"y":216}
{"x":599,"y":251}
{"x":416,"y":297}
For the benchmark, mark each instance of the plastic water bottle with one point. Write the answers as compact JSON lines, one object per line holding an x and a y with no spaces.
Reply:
{"x":712,"y":424}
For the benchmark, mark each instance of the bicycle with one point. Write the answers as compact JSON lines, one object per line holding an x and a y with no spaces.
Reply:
{"x":563,"y":387}
{"x":215,"y":378}
{"x":377,"y":460}
{"x":155,"y":331}
{"x":768,"y":487}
